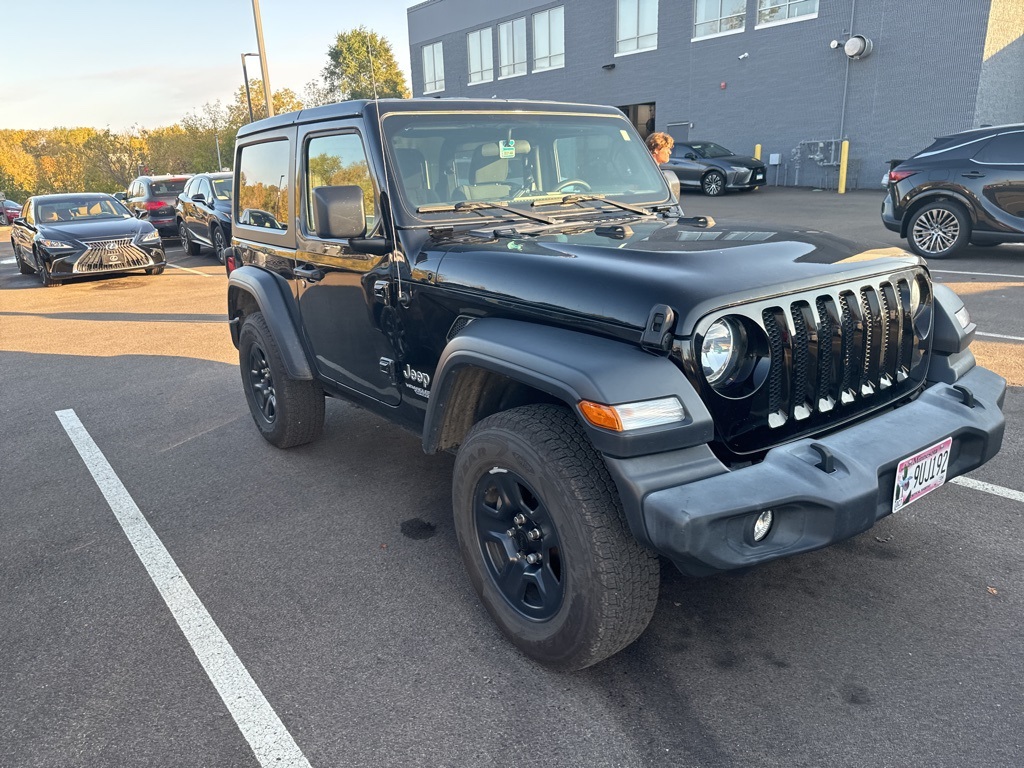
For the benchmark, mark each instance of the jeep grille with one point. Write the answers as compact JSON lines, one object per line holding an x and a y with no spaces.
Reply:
{"x":829,"y":356}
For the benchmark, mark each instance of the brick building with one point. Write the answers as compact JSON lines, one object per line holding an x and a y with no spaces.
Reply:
{"x":795,"y":76}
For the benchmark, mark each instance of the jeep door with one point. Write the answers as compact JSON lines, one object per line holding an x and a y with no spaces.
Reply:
{"x":999,"y":168}
{"x":345,"y":296}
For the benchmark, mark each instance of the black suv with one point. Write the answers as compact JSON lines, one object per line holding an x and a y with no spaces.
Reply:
{"x":204,"y":213}
{"x":154,"y":198}
{"x":968,"y":187}
{"x":514,"y":281}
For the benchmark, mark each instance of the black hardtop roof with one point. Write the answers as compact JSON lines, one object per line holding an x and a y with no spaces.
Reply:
{"x":368,"y":107}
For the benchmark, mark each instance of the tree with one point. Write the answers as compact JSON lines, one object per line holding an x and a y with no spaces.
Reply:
{"x":357,"y":60}
{"x":285,"y":100}
{"x":112,"y":160}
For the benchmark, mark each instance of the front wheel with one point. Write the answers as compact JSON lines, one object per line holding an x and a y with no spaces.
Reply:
{"x":288,"y":412}
{"x":713,"y":184}
{"x":545,"y":541}
{"x":155,"y":270}
{"x":938,"y":230}
{"x":44,"y":273}
{"x":23,"y":268}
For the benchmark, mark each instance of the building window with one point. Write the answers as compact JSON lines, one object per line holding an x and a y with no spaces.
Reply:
{"x":549,"y":39}
{"x":433,"y":68}
{"x":716,"y":17}
{"x":775,"y":11}
{"x":636,"y":26}
{"x":512,"y":48}
{"x":480,"y":55}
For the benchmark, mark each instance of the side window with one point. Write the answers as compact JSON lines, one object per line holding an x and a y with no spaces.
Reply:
{"x":205,"y":190}
{"x":190,"y":188}
{"x":1006,"y":149}
{"x":338,"y":160}
{"x":263,"y":185}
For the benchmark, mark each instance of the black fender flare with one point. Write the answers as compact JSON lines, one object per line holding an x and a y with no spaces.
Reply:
{"x":271,"y":294}
{"x":570,"y":366}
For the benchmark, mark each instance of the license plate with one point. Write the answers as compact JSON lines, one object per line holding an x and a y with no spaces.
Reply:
{"x":920,"y":474}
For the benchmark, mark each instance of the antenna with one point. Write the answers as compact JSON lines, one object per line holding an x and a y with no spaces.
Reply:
{"x":402,"y":297}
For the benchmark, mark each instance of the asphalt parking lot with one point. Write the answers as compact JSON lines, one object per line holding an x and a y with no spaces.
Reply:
{"x":332,"y":574}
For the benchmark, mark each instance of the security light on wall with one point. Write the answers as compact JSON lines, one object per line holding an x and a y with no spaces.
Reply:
{"x":858,"y":47}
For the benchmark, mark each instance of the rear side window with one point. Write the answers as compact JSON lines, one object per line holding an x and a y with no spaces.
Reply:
{"x":1005,"y":149}
{"x":337,"y":161}
{"x":263,"y":185}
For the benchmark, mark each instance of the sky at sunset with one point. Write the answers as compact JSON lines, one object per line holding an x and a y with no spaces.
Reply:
{"x":114,"y":64}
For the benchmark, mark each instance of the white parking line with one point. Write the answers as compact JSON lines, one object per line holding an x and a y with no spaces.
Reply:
{"x":995,"y":490}
{"x":271,"y":742}
{"x":977,"y":274}
{"x":188,"y":269}
{"x":999,"y":336}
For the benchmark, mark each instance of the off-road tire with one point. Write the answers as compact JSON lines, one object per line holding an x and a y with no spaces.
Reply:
{"x":537,"y":459}
{"x":288,"y":412}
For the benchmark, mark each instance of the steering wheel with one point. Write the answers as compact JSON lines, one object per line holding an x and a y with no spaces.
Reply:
{"x":573,"y":183}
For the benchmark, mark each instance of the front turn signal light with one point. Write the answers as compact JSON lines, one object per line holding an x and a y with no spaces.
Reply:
{"x":629,"y":416}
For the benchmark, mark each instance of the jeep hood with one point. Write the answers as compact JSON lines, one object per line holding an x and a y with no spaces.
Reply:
{"x":618,"y":281}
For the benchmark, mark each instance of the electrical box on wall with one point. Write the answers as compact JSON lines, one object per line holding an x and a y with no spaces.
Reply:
{"x":774,"y":158}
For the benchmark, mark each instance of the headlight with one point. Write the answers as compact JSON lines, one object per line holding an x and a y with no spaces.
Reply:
{"x":55,"y":244}
{"x":150,"y":237}
{"x":722,"y":351}
{"x":739,"y":169}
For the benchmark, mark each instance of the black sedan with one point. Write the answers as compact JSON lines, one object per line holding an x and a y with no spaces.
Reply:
{"x":713,"y":168}
{"x":86,"y":233}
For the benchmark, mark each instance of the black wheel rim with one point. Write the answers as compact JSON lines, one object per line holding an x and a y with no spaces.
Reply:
{"x":218,"y":244}
{"x":519,"y":544}
{"x":261,"y":384}
{"x":183,"y":234}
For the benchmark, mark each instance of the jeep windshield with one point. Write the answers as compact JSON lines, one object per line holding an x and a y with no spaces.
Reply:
{"x":513,"y":159}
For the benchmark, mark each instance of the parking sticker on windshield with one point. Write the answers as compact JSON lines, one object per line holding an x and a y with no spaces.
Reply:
{"x":507,"y":149}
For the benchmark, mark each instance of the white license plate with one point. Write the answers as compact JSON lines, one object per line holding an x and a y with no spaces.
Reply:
{"x":920,"y":474}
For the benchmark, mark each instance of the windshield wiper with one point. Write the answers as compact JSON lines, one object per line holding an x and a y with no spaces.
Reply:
{"x":479,"y":205}
{"x":577,"y":199}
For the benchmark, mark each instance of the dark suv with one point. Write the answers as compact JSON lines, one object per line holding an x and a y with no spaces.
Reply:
{"x":154,"y":198}
{"x":204,"y":213}
{"x":964,"y":188}
{"x":616,"y":380}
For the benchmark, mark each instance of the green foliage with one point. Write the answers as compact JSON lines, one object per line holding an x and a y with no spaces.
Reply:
{"x":348,"y":73}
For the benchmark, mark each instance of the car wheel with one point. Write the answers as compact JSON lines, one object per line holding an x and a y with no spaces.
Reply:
{"x":713,"y":183}
{"x":288,"y":412}
{"x":938,"y":230}
{"x":191,"y":248}
{"x":23,"y":268}
{"x":44,"y":273}
{"x":219,"y":243}
{"x":545,"y":541}
{"x":155,"y":270}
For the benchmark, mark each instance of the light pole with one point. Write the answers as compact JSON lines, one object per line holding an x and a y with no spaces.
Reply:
{"x":263,"y":56}
{"x":248,"y":93}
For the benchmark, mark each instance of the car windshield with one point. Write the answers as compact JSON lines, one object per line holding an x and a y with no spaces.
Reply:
{"x":516,"y":158}
{"x":222,"y":188}
{"x":709,"y":149}
{"x":80,"y":209}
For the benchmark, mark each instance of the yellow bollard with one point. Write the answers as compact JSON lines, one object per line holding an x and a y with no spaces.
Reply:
{"x":757,"y":151}
{"x":844,"y":156}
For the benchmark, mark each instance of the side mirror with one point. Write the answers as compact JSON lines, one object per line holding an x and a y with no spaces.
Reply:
{"x":673,"y":184}
{"x":120,"y":196}
{"x":20,"y":221}
{"x":199,"y":197}
{"x":142,"y":213}
{"x":339,"y":212}
{"x":690,"y":156}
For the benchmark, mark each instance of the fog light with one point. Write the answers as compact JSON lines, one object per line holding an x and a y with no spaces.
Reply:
{"x":763,"y":524}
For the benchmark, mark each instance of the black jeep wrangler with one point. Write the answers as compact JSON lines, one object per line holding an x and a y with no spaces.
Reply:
{"x":515,"y":282}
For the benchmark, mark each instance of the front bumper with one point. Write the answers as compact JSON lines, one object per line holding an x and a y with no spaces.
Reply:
{"x":64,"y":265}
{"x":704,"y":524}
{"x":748,"y":178}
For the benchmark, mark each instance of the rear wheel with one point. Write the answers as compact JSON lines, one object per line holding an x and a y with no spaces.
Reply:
{"x":288,"y":412}
{"x":219,"y":243}
{"x":191,"y":248}
{"x":938,"y":230}
{"x":713,"y":183}
{"x":545,"y":541}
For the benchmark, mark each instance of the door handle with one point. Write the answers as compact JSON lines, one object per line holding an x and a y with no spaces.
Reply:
{"x":309,"y":273}
{"x":973,"y":175}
